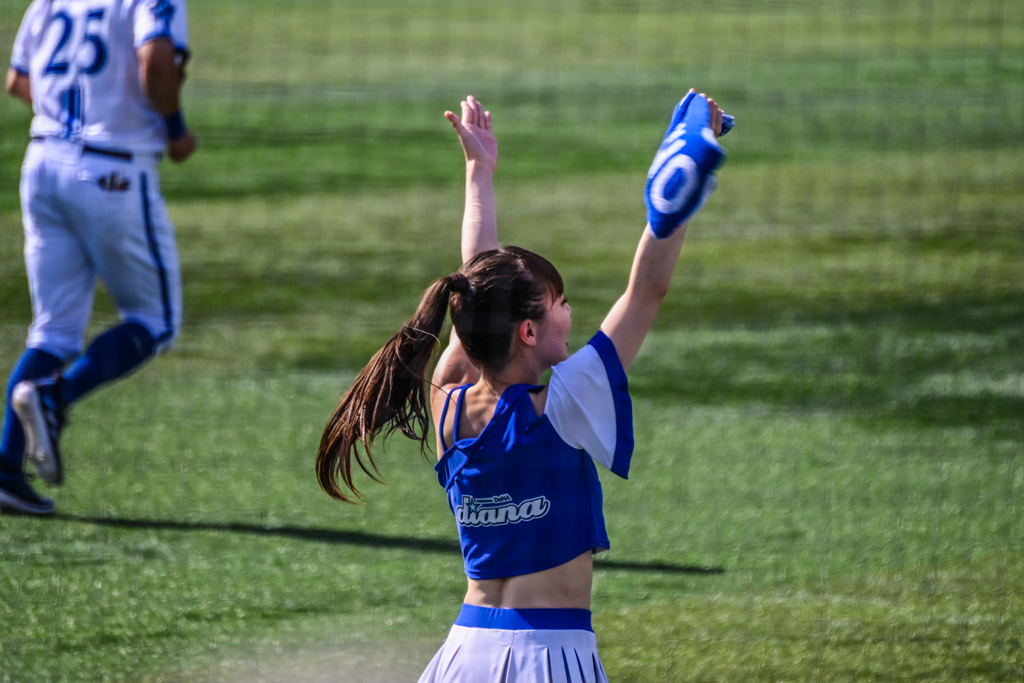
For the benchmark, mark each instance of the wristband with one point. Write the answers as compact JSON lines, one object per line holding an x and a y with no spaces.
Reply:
{"x":175,"y":126}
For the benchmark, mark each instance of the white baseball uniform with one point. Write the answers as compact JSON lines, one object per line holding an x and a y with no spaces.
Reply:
{"x":90,"y":193}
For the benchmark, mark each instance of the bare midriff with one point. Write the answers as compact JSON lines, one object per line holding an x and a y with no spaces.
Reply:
{"x":565,"y":586}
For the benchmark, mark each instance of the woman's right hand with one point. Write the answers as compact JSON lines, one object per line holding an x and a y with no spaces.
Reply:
{"x":474,"y":129}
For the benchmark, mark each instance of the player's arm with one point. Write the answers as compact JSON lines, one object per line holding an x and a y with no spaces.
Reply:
{"x":161,"y":76}
{"x":630,"y":319}
{"x":19,"y":85}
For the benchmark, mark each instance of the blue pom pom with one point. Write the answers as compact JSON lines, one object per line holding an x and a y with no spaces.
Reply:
{"x":681,"y":177}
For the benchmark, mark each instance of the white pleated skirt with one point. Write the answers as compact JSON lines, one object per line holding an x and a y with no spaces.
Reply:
{"x":488,"y":645}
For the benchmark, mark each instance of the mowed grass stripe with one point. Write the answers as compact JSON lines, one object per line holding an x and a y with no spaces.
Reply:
{"x":193,"y":536}
{"x":828,"y":426}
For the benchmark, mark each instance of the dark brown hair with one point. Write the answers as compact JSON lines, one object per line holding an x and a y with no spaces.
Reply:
{"x":490,"y":295}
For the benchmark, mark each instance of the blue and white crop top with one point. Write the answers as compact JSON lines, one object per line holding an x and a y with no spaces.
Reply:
{"x":525,"y":491}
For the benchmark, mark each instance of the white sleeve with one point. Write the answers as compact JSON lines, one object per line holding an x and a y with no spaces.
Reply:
{"x":159,"y":19}
{"x":28,"y":37}
{"x":588,"y":404}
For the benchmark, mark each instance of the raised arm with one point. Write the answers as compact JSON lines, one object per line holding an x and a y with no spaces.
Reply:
{"x":479,"y":221}
{"x":479,"y":228}
{"x":630,"y":319}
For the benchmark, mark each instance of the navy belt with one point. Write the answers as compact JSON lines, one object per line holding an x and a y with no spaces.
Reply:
{"x":89,"y":149}
{"x":116,"y":153}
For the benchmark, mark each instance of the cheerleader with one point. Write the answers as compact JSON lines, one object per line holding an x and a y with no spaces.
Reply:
{"x":517,"y":458}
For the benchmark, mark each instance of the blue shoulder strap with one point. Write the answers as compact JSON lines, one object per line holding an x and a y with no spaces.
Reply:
{"x":458,"y":413}
{"x":450,"y":466}
{"x":458,"y":409}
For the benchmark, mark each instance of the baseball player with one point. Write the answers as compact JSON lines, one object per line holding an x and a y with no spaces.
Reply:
{"x":517,"y":459}
{"x":103,"y":78}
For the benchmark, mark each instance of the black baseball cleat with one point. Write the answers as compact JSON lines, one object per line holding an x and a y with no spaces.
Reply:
{"x":41,"y":413}
{"x":17,"y":496}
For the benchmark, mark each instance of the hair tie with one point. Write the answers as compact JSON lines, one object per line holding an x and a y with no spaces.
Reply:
{"x":457,"y":282}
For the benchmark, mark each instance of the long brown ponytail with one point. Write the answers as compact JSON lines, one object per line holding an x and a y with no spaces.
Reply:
{"x":493,"y":292}
{"x":389,"y":395}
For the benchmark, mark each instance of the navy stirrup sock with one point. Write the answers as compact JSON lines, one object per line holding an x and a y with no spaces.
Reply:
{"x":111,"y":355}
{"x":33,"y":364}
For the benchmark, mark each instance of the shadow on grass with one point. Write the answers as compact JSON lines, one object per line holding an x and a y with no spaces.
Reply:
{"x":949,"y":364}
{"x":357,"y":538}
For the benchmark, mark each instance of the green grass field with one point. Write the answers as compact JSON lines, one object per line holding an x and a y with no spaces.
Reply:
{"x":829,"y":470}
